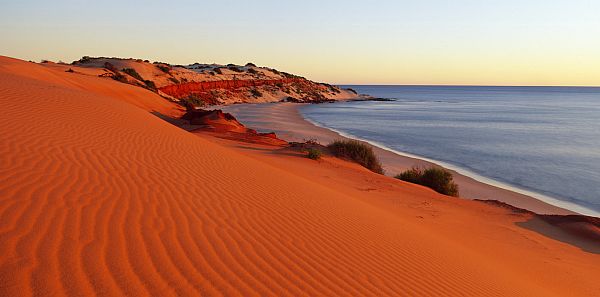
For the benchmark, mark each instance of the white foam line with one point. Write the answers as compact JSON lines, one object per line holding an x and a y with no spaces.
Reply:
{"x":545,"y":198}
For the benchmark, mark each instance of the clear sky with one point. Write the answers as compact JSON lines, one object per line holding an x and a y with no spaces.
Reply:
{"x":484,"y":42}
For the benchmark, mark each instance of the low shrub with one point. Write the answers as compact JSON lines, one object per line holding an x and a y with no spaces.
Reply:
{"x":110,"y":67}
{"x":358,"y":152}
{"x":164,"y":68}
{"x":193,"y":101}
{"x":175,"y":80}
{"x":314,"y":154}
{"x":255,"y":93}
{"x":218,"y":70}
{"x":119,"y":77}
{"x":438,"y":179}
{"x":250,"y":65}
{"x":235,"y":69}
{"x":150,"y":85}
{"x":133,"y":73}
{"x":311,"y":141}
{"x":84,"y":59}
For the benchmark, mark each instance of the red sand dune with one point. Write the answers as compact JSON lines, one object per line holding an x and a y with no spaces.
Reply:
{"x":100,"y":197}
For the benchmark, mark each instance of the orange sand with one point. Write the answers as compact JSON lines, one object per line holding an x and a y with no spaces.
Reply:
{"x":100,"y":197}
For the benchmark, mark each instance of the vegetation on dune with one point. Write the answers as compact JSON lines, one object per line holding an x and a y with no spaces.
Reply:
{"x":119,"y":77}
{"x":193,"y":101}
{"x":235,"y":69}
{"x":256,"y":93}
{"x":150,"y":85}
{"x":133,"y":73}
{"x":314,"y":154}
{"x":438,"y":179}
{"x":84,"y":59}
{"x":164,"y":68}
{"x":358,"y":152}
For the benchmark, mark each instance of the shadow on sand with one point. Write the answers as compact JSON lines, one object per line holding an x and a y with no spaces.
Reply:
{"x":577,"y":230}
{"x":580,"y":231}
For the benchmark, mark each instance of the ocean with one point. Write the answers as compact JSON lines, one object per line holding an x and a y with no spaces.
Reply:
{"x":541,"y":141}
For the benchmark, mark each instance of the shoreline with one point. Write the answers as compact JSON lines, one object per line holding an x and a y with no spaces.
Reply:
{"x":457,"y":170}
{"x":286,"y":120}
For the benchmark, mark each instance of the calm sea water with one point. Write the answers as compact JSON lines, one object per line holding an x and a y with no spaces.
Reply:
{"x":540,"y":139}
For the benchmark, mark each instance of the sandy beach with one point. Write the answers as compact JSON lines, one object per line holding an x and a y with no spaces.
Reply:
{"x":100,"y":196}
{"x":285,"y":120}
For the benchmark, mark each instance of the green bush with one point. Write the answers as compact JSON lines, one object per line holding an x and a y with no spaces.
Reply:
{"x":133,"y":73}
{"x":438,"y":179}
{"x":314,"y":154}
{"x":358,"y":152}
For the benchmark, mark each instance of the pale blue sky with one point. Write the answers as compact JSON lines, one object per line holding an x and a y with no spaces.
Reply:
{"x":387,"y":42}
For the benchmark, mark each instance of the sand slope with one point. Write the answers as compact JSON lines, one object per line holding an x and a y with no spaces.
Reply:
{"x":100,"y":197}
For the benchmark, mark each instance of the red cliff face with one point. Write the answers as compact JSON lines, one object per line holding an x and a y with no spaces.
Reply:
{"x":184,"y":90}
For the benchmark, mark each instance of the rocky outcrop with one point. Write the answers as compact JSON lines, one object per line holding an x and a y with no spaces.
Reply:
{"x":185,"y":89}
{"x":225,"y":125}
{"x":199,"y":85}
{"x":216,"y":119}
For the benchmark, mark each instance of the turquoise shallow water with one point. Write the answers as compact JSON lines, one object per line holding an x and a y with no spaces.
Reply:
{"x":540,"y":139}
